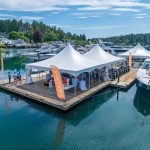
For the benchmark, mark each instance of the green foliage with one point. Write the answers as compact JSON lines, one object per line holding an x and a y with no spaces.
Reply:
{"x":81,"y":42}
{"x":14,"y":35}
{"x":50,"y":36}
{"x":16,"y":29}
{"x":131,"y":39}
{"x":2,"y":46}
{"x":17,"y":35}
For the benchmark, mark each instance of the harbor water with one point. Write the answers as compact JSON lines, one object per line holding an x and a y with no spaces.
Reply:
{"x":111,"y":119}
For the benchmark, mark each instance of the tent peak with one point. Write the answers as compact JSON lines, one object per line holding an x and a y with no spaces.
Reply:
{"x":139,"y":45}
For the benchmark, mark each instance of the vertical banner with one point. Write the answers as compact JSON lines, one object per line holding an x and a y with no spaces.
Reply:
{"x":58,"y":82}
{"x":2,"y":65}
{"x":130,"y":59}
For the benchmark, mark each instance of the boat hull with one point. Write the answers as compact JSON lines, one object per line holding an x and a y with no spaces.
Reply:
{"x":142,"y":85}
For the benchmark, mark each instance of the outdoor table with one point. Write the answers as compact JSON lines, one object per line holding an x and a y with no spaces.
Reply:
{"x":68,"y":87}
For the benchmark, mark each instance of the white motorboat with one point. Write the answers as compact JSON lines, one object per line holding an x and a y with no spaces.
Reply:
{"x":143,"y":75}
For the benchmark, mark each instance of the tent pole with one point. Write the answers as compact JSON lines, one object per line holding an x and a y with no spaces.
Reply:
{"x":99,"y":76}
{"x":75,"y":90}
{"x":89,"y":80}
{"x":92,"y":79}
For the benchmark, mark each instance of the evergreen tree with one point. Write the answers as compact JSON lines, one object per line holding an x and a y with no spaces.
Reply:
{"x":37,"y":36}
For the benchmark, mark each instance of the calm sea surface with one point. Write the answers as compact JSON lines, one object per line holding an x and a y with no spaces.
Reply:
{"x":110,"y":120}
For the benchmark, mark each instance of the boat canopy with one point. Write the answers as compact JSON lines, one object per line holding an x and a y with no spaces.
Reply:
{"x":137,"y":51}
{"x":68,"y":61}
{"x":98,"y":54}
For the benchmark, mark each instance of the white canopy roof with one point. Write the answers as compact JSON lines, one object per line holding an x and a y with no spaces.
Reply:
{"x":97,"y":53}
{"x":68,"y":61}
{"x":137,"y":51}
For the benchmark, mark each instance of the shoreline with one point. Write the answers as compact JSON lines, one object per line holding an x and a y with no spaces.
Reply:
{"x":21,"y":47}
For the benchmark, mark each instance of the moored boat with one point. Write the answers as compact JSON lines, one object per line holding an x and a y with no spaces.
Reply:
{"x":143,"y":75}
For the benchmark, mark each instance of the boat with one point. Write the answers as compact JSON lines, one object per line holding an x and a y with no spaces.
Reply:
{"x":112,"y":48}
{"x":143,"y":75}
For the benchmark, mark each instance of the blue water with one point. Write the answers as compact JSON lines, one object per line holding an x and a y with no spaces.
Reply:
{"x":110,"y":120}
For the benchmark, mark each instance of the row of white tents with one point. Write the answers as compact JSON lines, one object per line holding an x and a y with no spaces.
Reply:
{"x":72,"y":62}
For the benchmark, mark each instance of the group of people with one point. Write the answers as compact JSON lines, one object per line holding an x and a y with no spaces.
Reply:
{"x":16,"y":75}
{"x":65,"y":81}
{"x":80,"y":81}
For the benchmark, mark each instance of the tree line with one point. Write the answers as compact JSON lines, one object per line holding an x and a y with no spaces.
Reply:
{"x":37,"y":32}
{"x":130,"y":39}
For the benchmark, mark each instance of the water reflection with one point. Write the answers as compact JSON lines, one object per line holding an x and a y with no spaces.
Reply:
{"x":13,"y":59}
{"x":142,"y":105}
{"x":85,"y":109}
{"x":59,"y":133}
{"x":79,"y":113}
{"x":142,"y":101}
{"x":102,"y":119}
{"x":74,"y":117}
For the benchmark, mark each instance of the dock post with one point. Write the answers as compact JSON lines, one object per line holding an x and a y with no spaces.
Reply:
{"x":2,"y":66}
{"x":118,"y":78}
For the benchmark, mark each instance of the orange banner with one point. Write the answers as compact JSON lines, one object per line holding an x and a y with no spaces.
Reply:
{"x":58,"y":82}
{"x":130,"y":59}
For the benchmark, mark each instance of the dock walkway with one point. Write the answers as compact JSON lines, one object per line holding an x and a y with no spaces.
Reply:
{"x":126,"y":80}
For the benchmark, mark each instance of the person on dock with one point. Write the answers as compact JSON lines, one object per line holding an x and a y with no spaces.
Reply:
{"x":51,"y":87}
{"x":15,"y":76}
{"x":9,"y":77}
{"x":19,"y":77}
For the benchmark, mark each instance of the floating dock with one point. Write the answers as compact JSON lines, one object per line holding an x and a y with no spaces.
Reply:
{"x":60,"y":104}
{"x":125,"y":80}
{"x":39,"y":93}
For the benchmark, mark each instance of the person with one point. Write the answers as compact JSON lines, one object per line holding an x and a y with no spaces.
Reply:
{"x":19,"y":77}
{"x":53,"y":82}
{"x":82,"y":85}
{"x":9,"y":77}
{"x":68,"y":82}
{"x":15,"y":76}
{"x":51,"y":87}
{"x":48,"y":76}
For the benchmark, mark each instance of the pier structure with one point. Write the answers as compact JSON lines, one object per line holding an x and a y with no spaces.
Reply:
{"x":37,"y":92}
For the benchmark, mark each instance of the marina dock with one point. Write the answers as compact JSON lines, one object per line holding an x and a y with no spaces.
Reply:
{"x":45,"y":98}
{"x":39,"y":93}
{"x":126,"y":80}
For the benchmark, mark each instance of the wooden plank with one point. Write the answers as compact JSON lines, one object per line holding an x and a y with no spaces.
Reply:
{"x":125,"y":80}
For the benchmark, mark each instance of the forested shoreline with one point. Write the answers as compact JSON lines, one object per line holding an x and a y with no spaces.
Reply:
{"x":36,"y":32}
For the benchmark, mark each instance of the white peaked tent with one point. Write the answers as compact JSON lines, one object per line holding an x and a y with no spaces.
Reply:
{"x":137,"y":51}
{"x":68,"y":61}
{"x":98,"y":54}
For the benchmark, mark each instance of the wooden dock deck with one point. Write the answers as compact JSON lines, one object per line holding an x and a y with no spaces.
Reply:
{"x":40,"y":93}
{"x":45,"y":98}
{"x":126,"y":80}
